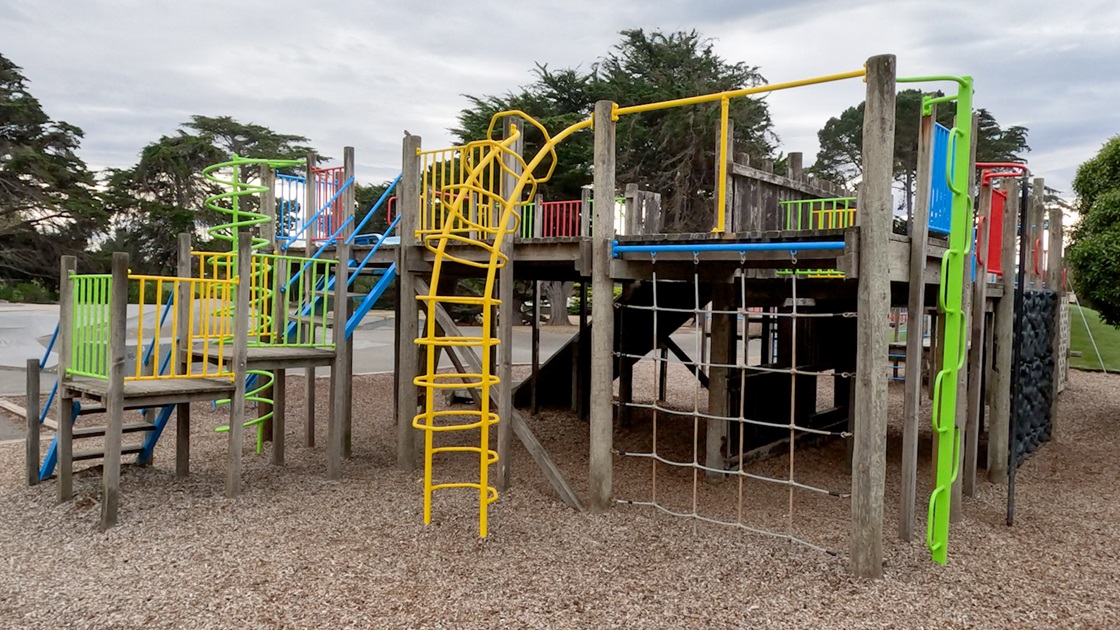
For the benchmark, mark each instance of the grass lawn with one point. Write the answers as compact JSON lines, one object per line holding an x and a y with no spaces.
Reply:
{"x":1107,"y":338}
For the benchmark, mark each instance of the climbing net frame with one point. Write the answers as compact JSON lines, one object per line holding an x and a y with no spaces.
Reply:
{"x":735,"y":451}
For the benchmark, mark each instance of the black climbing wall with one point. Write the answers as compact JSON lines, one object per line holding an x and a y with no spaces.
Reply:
{"x":1036,"y":373}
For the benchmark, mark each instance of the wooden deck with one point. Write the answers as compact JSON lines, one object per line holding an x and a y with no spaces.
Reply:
{"x":276,"y":357}
{"x":156,"y":392}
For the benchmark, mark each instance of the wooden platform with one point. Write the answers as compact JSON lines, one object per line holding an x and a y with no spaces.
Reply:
{"x":276,"y":357}
{"x":156,"y":393}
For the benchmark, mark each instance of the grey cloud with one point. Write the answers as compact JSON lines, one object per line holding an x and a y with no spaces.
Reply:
{"x":358,"y":73}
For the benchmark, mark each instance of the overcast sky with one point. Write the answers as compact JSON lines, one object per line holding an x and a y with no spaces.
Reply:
{"x":359,"y":72}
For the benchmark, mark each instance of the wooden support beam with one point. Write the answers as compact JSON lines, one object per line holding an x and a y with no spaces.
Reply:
{"x":240,"y":359}
{"x":508,"y":310}
{"x":31,"y":445}
{"x":976,"y":355}
{"x":915,"y":317}
{"x":408,"y":195}
{"x":956,"y":493}
{"x":697,"y":370}
{"x":65,"y":345}
{"x":602,"y":311}
{"x":114,"y":398}
{"x":873,"y":307}
{"x":999,"y":425}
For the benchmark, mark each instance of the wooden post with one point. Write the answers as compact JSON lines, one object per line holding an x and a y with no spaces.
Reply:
{"x":32,"y":413}
{"x":999,"y":424}
{"x":184,"y":305}
{"x":976,"y":356}
{"x":873,"y":305}
{"x":114,"y":398}
{"x":1035,"y":212}
{"x":602,"y":311}
{"x":310,"y":207}
{"x":584,"y":212}
{"x":538,"y":209}
{"x":1054,"y":282}
{"x":507,"y":309}
{"x":960,"y":417}
{"x":268,"y":233}
{"x":336,"y":430}
{"x":796,"y":169}
{"x":536,"y":343}
{"x":346,"y":368}
{"x":729,"y":183}
{"x":279,"y":412}
{"x":183,"y":440}
{"x":408,"y":196}
{"x":663,"y":374}
{"x":722,"y":342}
{"x":240,"y":359}
{"x":65,"y":398}
{"x":915,"y":316}
{"x":280,"y":276}
{"x":631,"y":221}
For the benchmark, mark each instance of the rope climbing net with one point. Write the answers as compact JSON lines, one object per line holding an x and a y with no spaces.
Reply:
{"x":761,"y":404}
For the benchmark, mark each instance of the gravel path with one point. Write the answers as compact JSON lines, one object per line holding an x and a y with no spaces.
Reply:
{"x":298,"y":551}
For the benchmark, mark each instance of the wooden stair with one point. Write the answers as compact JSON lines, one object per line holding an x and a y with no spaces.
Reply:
{"x":98,"y":453}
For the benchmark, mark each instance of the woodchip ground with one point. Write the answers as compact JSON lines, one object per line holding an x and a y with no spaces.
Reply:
{"x":298,"y":551}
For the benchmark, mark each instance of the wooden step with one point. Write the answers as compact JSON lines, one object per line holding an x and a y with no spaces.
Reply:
{"x":91,"y":408}
{"x":133,"y":427}
{"x":98,"y":453}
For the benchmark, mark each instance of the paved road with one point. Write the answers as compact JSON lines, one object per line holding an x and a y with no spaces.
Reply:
{"x":25,"y":331}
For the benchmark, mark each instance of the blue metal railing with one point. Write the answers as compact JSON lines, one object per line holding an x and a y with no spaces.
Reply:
{"x":289,"y":196}
{"x":940,"y":197}
{"x":327,"y":284}
{"x":287,"y":241}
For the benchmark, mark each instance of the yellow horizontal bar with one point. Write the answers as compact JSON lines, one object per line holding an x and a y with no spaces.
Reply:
{"x":762,"y":89}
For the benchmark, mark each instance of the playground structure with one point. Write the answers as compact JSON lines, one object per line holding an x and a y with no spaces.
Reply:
{"x":816,"y":266}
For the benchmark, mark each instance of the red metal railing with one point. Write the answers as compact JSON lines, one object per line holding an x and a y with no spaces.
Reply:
{"x":995,"y":234}
{"x":560,"y":218}
{"x":327,"y":181}
{"x":990,"y":171}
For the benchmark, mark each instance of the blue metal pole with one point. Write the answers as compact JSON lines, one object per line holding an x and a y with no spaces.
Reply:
{"x":796,"y":246}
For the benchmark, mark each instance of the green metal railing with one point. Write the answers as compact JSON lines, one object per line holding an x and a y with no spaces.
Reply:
{"x":90,"y":333}
{"x":289,"y":296}
{"x":819,"y":214}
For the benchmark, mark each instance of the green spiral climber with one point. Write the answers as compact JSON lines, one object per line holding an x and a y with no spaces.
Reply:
{"x":229,"y":203}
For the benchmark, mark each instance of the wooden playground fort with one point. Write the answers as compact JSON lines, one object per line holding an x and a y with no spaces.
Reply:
{"x":798,"y":283}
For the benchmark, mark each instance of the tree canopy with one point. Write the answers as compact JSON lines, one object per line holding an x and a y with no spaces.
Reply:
{"x":670,"y":151}
{"x":164,"y":193}
{"x":1094,"y":252}
{"x":47,"y":201}
{"x":841,"y":141}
